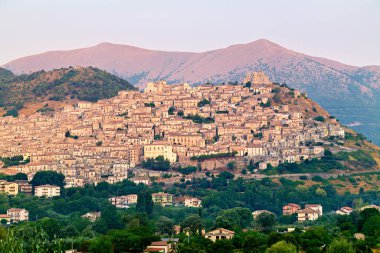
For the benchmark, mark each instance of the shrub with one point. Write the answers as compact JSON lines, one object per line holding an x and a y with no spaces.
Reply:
{"x":201,"y":158}
{"x":12,"y":112}
{"x":318,"y":179}
{"x":150,"y":104}
{"x":320,"y":118}
{"x":203,"y":102}
{"x":171,"y":110}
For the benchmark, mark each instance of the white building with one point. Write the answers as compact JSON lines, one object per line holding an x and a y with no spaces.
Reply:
{"x":140,"y":180}
{"x":346,"y":210}
{"x":124,"y":201}
{"x":92,"y":216}
{"x":47,"y":191}
{"x":192,"y":202}
{"x":18,"y":214}
{"x":310,"y":213}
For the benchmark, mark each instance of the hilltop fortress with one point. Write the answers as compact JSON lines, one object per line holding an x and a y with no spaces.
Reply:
{"x":94,"y":142}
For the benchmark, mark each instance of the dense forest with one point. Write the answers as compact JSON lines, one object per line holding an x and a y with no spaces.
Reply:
{"x":56,"y":224}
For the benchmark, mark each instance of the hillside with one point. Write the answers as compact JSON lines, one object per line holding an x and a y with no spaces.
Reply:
{"x":6,"y":75}
{"x":348,"y":92}
{"x":89,"y":84}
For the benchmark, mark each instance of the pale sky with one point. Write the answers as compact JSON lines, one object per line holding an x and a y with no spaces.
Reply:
{"x":343,"y":30}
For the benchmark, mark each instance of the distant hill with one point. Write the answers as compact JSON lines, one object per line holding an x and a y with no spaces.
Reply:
{"x":89,"y":84}
{"x":351,"y":93}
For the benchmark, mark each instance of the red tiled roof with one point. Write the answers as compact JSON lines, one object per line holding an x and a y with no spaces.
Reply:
{"x":159,"y":243}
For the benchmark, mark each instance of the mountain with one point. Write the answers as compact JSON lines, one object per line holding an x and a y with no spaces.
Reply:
{"x":350,"y":93}
{"x":89,"y":84}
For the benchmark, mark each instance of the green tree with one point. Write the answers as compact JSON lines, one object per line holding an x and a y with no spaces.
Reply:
{"x":124,"y":241}
{"x":100,"y":226}
{"x":314,"y":238}
{"x":234,"y":218}
{"x":159,"y":163}
{"x":111,"y":217}
{"x":203,"y":102}
{"x":70,"y":231}
{"x":50,"y":226}
{"x":196,"y":244}
{"x":266,"y":221}
{"x":192,"y":223}
{"x":171,"y":110}
{"x":180,"y":113}
{"x":251,"y":244}
{"x":274,"y":237}
{"x":144,"y":202}
{"x":340,"y":245}
{"x":48,"y":177}
{"x":282,"y":247}
{"x":320,"y":118}
{"x":12,"y":112}
{"x":320,"y":192}
{"x":222,"y":246}
{"x":231,"y":165}
{"x":372,"y":226}
{"x":8,"y":242}
{"x":362,"y":246}
{"x":226,"y":175}
{"x":101,"y":244}
{"x":165,"y":225}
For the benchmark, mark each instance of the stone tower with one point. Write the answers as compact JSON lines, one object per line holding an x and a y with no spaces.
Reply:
{"x":257,"y":78}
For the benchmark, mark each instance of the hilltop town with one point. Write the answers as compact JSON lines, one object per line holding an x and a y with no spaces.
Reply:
{"x":179,"y":140}
{"x":263,"y":122}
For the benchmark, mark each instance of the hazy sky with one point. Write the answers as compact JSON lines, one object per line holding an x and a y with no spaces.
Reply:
{"x":343,"y":30}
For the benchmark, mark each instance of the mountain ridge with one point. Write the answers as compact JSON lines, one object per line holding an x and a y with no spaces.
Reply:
{"x":335,"y":85}
{"x":13,"y":65}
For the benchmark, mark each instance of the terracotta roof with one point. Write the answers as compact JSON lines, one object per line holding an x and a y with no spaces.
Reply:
{"x":159,"y":243}
{"x":307,"y":210}
{"x":222,"y":230}
{"x":15,"y":209}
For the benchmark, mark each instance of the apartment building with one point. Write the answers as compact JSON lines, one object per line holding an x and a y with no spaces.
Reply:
{"x":47,"y":191}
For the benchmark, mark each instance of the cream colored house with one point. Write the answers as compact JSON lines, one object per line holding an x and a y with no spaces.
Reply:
{"x":9,"y":188}
{"x":256,"y":213}
{"x":220,"y":234}
{"x":346,"y":210}
{"x":140,"y":180}
{"x":18,"y":214}
{"x":161,"y":247}
{"x":162,"y":198}
{"x":47,"y":191}
{"x":5,"y":217}
{"x":316,"y":207}
{"x":307,"y":214}
{"x":91,"y":216}
{"x":160,"y":148}
{"x":124,"y":201}
{"x":192,"y":202}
